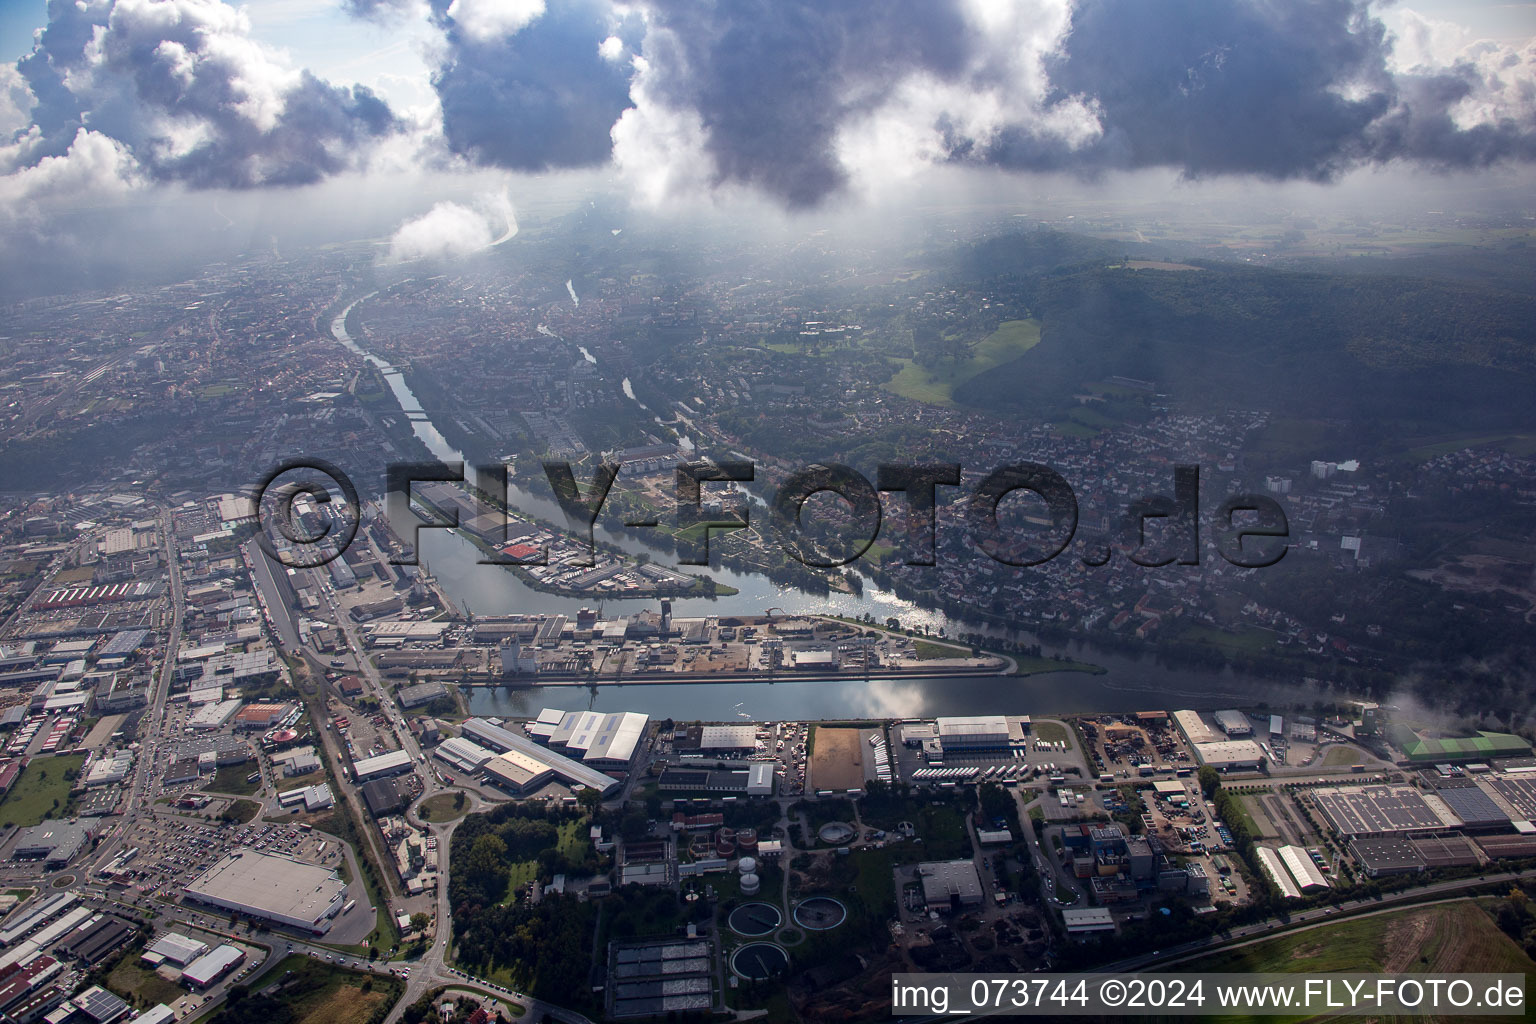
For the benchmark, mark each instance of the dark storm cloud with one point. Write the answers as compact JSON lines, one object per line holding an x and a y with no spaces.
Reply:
{"x":538,"y":98}
{"x":1284,"y":90}
{"x":190,"y":96}
{"x":773,"y":80}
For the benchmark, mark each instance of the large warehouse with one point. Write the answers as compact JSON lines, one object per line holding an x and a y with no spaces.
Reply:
{"x":979,"y":732}
{"x":1378,"y":810}
{"x":276,"y":889}
{"x":1234,"y":723}
{"x":382,"y":766}
{"x":462,"y":754}
{"x":517,"y":771}
{"x":1230,"y":754}
{"x":728,"y":737}
{"x":494,"y":737}
{"x":599,"y":739}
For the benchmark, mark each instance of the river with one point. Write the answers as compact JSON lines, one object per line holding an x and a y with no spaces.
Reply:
{"x":1129,"y":684}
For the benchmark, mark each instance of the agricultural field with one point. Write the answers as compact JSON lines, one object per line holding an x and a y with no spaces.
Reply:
{"x":1445,"y":938}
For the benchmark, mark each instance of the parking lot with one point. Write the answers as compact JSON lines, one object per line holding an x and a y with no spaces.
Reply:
{"x":172,"y":852}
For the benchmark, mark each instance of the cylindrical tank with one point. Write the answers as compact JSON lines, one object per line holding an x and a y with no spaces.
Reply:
{"x":750,"y":884}
{"x":725,"y":841}
{"x":747,"y":866}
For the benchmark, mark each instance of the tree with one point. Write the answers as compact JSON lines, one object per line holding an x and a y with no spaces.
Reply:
{"x":419,"y":921}
{"x":1210,"y":780}
{"x":589,"y":798}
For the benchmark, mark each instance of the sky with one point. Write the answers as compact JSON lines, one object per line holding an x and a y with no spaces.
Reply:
{"x":449,"y":114}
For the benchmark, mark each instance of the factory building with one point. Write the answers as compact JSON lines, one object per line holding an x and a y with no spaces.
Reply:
{"x":1234,"y":723}
{"x":275,"y":889}
{"x":979,"y":732}
{"x":462,"y":754}
{"x":949,"y":885}
{"x":1230,"y":755}
{"x":572,"y":772}
{"x":382,"y":766}
{"x":602,"y":740}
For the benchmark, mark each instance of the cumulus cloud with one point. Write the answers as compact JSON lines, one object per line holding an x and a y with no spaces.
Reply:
{"x":452,"y":229}
{"x":488,"y":20}
{"x":185,"y":92}
{"x":92,"y":165}
{"x":803,"y":99}
{"x":537,"y":96}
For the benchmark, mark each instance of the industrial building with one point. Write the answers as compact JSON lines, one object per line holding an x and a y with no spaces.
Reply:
{"x":462,"y":754}
{"x":603,"y":740}
{"x":978,"y":732}
{"x":1234,"y":723}
{"x":210,"y":967}
{"x":1274,"y":867}
{"x":214,"y":716}
{"x":381,"y":766}
{"x":314,"y":798}
{"x":262,"y":715}
{"x":275,"y":889}
{"x":950,"y":884}
{"x":728,"y":738}
{"x":1386,"y":855}
{"x":174,"y":948}
{"x":518,"y":771}
{"x":1451,"y":851}
{"x":1087,"y":920}
{"x":572,"y":772}
{"x":421,"y":693}
{"x":1230,"y":755}
{"x":756,"y":778}
{"x":1378,"y":810}
{"x":1194,"y":728}
{"x":54,"y":842}
{"x":1299,"y":863}
{"x":382,"y":797}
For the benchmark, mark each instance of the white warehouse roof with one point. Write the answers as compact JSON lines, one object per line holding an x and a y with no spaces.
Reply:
{"x":395,"y":760}
{"x":1300,"y":865}
{"x":728,"y":737}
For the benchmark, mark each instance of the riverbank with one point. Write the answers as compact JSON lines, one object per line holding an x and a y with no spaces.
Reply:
{"x":885,"y":675}
{"x":1023,"y":664}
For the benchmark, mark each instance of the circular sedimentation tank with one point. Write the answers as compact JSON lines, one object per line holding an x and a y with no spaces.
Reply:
{"x":820,"y":913}
{"x":751,"y":919}
{"x":757,"y":961}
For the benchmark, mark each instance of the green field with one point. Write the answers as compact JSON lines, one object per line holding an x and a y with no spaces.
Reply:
{"x":926,"y":651}
{"x":231,"y":779}
{"x":136,"y":984}
{"x":1337,"y":757}
{"x":243,"y":810}
{"x":1024,"y":665}
{"x":936,"y":386}
{"x":1050,"y":731}
{"x":314,"y":992}
{"x":1446,"y":937}
{"x":1248,"y":640}
{"x":439,"y":807}
{"x":42,"y":791}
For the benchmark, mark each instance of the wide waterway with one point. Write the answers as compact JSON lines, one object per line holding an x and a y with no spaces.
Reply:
{"x":1129,"y":684}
